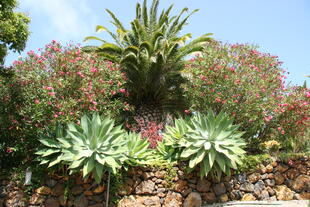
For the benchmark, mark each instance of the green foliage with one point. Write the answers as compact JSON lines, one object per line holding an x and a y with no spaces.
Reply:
{"x":251,"y":162}
{"x":210,"y":141}
{"x":14,"y":28}
{"x":54,"y":149}
{"x":56,"y":86}
{"x":285,"y":157}
{"x":94,"y":147}
{"x":138,"y":151}
{"x":250,"y":86}
{"x":151,"y":54}
{"x":169,"y":147}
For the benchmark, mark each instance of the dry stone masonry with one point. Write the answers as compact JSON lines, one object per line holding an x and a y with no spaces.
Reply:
{"x":146,"y":187}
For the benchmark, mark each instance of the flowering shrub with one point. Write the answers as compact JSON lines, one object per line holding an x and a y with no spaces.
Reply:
{"x":250,"y":86}
{"x":150,"y":131}
{"x":293,"y":119}
{"x":57,"y":86}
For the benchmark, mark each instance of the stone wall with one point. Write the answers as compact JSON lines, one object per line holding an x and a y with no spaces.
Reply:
{"x":171,"y":187}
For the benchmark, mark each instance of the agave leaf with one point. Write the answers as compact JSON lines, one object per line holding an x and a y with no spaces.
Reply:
{"x":189,"y":151}
{"x":48,"y":152}
{"x":76,"y":163}
{"x":88,"y":167}
{"x":111,"y":162}
{"x":49,"y":143}
{"x":57,"y":160}
{"x":64,"y":142}
{"x":207,"y":145}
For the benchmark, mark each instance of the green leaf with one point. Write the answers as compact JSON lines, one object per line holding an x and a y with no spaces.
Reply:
{"x":88,"y":167}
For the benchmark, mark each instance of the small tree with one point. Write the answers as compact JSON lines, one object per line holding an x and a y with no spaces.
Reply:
{"x":14,"y":29}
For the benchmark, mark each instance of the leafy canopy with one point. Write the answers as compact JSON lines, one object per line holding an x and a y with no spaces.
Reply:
{"x":14,"y":30}
{"x":151,"y":52}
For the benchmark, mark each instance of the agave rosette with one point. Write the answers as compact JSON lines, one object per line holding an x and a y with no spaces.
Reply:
{"x":213,"y":143}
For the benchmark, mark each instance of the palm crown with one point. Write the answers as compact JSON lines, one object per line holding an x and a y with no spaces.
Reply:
{"x":151,"y":54}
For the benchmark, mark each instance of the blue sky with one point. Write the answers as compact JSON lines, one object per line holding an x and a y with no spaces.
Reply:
{"x":279,"y":27}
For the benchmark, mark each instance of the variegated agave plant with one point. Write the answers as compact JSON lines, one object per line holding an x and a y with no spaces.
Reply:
{"x":94,"y":146}
{"x":209,"y":141}
{"x":138,"y":151}
{"x":52,"y":152}
{"x":169,"y":147}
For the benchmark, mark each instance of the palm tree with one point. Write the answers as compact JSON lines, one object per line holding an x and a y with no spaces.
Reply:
{"x":151,"y":53}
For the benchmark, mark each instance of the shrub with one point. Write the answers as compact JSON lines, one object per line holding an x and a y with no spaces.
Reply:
{"x":94,"y":146}
{"x":55,"y":87}
{"x":210,"y":141}
{"x":293,"y":120}
{"x":250,"y":86}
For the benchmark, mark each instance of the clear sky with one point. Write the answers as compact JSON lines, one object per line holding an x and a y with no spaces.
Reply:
{"x":279,"y":27}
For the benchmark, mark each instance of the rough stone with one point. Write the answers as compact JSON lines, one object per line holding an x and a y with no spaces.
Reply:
{"x":203,"y":185}
{"x":193,"y":200}
{"x":235,"y":195}
{"x":224,"y":198}
{"x":97,"y":205}
{"x":269,"y":168}
{"x":273,"y":198}
{"x":270,"y":191}
{"x":229,"y":186}
{"x":209,"y":197}
{"x":261,"y":169}
{"x":160,"y":174}
{"x":248,"y":197}
{"x":283,"y":193}
{"x":301,"y":182}
{"x":153,"y":201}
{"x":247,"y":187}
{"x":302,"y":169}
{"x":173,"y":200}
{"x":88,"y":193}
{"x":279,"y":178}
{"x":219,"y":189}
{"x":292,"y":173}
{"x":282,"y":168}
{"x":147,"y":175}
{"x":241,"y":178}
{"x":253,"y":178}
{"x":51,"y":183}
{"x":77,"y":190}
{"x":260,"y":185}
{"x":274,"y":164}
{"x":270,"y":182}
{"x":52,"y":202}
{"x":62,"y":200}
{"x":145,"y":187}
{"x":99,"y":189}
{"x":140,"y":201}
{"x":96,"y":198}
{"x":36,"y":199}
{"x":58,"y":189}
{"x":305,"y":195}
{"x":180,"y":186}
{"x":264,"y":195}
{"x":81,"y":201}
{"x":43,"y":190}
{"x":125,"y":190}
{"x":264,"y":176}
{"x":270,"y":176}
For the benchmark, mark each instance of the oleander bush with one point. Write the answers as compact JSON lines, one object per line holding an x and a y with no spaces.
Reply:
{"x":249,"y":86}
{"x":55,"y":86}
